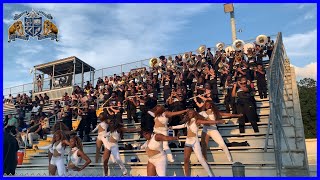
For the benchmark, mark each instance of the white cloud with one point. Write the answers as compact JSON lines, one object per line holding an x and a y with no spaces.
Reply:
{"x":301,"y":45}
{"x":308,"y":71}
{"x":107,"y":35}
{"x":309,"y":15}
{"x":8,"y":21}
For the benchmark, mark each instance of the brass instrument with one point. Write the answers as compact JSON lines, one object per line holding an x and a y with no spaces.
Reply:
{"x":185,"y":56}
{"x":200,"y":65}
{"x":238,"y":44}
{"x":160,"y":71}
{"x":220,"y":46}
{"x":191,"y":62}
{"x":169,"y":64}
{"x":154,"y":62}
{"x":201,"y":49}
{"x":222,"y":66}
{"x":261,"y":40}
{"x":247,"y":47}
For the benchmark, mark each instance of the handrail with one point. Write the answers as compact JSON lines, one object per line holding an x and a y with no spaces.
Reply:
{"x":277,"y":90}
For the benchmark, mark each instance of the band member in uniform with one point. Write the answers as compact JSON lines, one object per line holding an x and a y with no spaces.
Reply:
{"x":260,"y":75}
{"x":211,"y":78}
{"x":84,"y":124}
{"x":166,"y":86}
{"x":131,"y":107}
{"x":229,"y":101}
{"x":157,"y":163}
{"x":75,"y":155}
{"x":269,"y":47}
{"x":191,"y":121}
{"x":67,"y":116}
{"x":242,"y":91}
{"x":161,"y":118}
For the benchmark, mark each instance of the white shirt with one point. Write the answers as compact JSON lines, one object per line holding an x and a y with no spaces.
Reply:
{"x":210,"y":117}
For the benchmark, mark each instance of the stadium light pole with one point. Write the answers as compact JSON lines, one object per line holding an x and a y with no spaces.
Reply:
{"x":228,"y":8}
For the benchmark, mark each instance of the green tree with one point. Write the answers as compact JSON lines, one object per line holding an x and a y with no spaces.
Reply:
{"x":308,"y":93}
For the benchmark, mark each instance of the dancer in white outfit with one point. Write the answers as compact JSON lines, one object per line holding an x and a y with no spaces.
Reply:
{"x":76,"y":153}
{"x":112,"y":145}
{"x":212,"y":113}
{"x":56,"y":154}
{"x":161,"y":118}
{"x":157,"y":163}
{"x":192,"y":119}
{"x":102,"y":134}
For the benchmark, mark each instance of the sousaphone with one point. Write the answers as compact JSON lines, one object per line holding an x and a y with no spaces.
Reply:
{"x":228,"y":50}
{"x":262,"y":39}
{"x":154,"y":62}
{"x":238,"y":44}
{"x":185,"y":56}
{"x":201,"y":49}
{"x":247,"y":46}
{"x":220,"y":46}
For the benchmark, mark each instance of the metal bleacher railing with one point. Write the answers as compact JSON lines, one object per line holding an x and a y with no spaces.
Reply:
{"x":278,"y":96}
{"x":108,"y":71}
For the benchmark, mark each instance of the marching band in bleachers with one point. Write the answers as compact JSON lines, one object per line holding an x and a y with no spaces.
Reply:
{"x":190,"y":84}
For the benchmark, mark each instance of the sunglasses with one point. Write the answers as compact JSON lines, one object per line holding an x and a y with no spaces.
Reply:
{"x":243,"y":83}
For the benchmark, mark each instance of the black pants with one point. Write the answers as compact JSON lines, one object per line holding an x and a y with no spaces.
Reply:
{"x":84,"y":126}
{"x":223,"y":78}
{"x":262,"y":89}
{"x":249,"y":114}
{"x":132,"y":113}
{"x":269,"y":53}
{"x":230,"y":103}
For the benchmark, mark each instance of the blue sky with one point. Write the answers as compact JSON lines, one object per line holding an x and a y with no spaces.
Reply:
{"x":110,"y":34}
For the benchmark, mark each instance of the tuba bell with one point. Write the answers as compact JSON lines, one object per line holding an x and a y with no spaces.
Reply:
{"x":238,"y":44}
{"x":247,"y":47}
{"x":154,"y":62}
{"x":201,"y":49}
{"x":185,"y":56}
{"x":228,"y":50}
{"x":220,"y":46}
{"x":262,"y":39}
